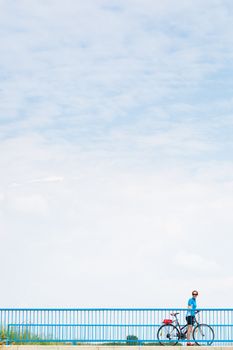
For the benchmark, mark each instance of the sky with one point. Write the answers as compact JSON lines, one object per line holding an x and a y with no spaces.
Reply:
{"x":116,"y":150}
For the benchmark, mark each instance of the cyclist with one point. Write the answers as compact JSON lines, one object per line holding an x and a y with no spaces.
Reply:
{"x":190,"y":316}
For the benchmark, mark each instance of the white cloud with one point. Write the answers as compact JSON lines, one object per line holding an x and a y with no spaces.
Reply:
{"x":108,"y":222}
{"x":195,"y":262}
{"x":116,"y":151}
{"x":27,"y":204}
{"x":48,"y":179}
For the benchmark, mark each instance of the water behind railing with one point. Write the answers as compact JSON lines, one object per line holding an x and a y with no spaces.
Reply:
{"x":123,"y":326}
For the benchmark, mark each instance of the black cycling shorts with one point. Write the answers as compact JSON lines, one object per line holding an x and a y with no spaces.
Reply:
{"x":190,"y":320}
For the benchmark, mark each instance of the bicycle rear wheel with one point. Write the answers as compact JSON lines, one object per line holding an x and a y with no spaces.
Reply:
{"x":168,"y":335}
{"x":203,"y":334}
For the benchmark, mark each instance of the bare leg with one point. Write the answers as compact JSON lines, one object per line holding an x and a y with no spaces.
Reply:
{"x":190,"y":328}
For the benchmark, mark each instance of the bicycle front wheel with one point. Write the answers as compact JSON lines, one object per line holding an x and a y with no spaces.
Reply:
{"x":168,"y":335}
{"x":203,"y":334}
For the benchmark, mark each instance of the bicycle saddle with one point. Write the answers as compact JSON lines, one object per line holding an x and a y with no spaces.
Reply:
{"x":174,"y":313}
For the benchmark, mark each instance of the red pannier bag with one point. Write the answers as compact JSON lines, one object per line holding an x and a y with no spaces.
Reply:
{"x":167,"y":321}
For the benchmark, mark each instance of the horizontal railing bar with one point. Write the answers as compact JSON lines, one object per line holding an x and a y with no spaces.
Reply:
{"x":100,"y":325}
{"x":80,"y":325}
{"x":115,"y":340}
{"x":113,"y":309}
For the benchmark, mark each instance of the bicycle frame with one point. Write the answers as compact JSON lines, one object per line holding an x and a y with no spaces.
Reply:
{"x":183,"y":329}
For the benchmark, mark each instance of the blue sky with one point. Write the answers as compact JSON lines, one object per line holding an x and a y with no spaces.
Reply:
{"x":116,"y":151}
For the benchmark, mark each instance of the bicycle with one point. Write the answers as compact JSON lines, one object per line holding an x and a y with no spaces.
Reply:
{"x":171,"y":332}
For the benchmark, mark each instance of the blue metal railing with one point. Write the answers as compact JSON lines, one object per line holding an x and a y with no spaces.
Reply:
{"x":107,"y":325}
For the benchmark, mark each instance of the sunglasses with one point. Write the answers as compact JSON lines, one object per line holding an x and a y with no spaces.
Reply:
{"x":195,"y":294}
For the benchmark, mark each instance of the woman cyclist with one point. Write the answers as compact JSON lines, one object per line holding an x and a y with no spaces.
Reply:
{"x":190,"y":316}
